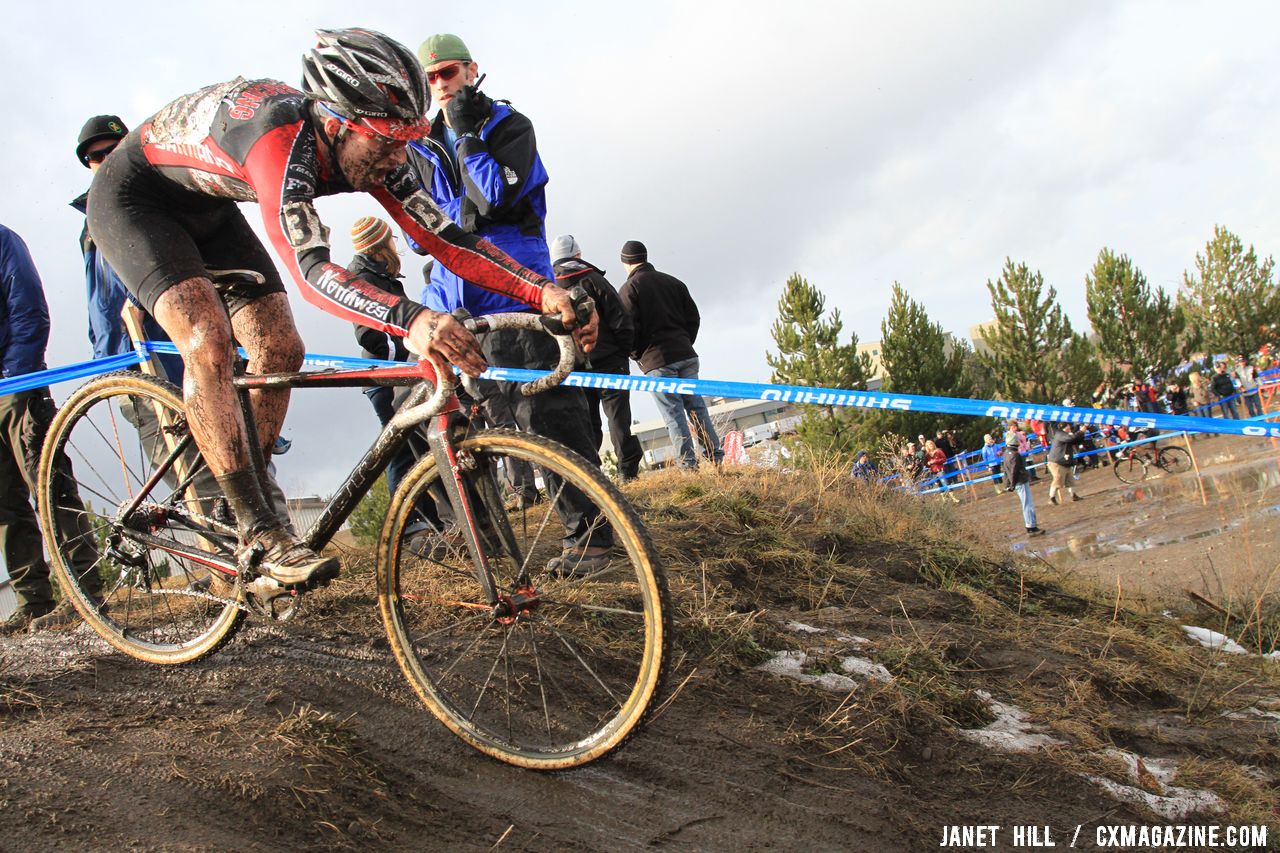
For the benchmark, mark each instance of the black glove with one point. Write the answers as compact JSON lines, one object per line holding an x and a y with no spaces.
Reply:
{"x":467,"y":112}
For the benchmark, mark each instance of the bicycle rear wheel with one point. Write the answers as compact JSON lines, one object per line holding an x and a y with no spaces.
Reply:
{"x":564,"y":669}
{"x":136,"y":558}
{"x":1174,"y":460}
{"x":1131,"y":468}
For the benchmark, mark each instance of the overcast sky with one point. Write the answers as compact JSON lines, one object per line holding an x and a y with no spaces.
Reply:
{"x":859,"y":144}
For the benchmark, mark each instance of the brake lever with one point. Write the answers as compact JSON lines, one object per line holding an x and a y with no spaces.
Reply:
{"x":583,"y":306}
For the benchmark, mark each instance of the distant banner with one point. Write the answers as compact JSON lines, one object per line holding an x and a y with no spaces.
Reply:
{"x":1257,"y":428}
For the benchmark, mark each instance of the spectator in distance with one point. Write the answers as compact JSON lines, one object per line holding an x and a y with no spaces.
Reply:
{"x":1246,"y":376}
{"x":666,"y":326}
{"x":1222,"y":386}
{"x":1017,"y":479}
{"x":613,"y":346}
{"x":991,"y":457}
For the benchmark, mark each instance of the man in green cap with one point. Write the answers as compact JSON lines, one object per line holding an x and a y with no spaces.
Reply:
{"x":480,"y":164}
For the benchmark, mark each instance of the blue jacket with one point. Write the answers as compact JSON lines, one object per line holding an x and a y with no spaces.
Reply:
{"x":991,"y":454}
{"x":493,"y":186}
{"x":24,"y":314}
{"x":106,"y":296}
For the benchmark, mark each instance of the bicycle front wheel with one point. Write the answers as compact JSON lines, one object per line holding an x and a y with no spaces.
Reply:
{"x":134,"y":556}
{"x":1174,"y":460}
{"x":1131,"y":469}
{"x":565,"y":665}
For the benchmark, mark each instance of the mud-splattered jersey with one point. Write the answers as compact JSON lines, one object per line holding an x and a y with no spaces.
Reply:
{"x":253,"y":140}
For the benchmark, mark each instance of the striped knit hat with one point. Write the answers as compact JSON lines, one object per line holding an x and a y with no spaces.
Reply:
{"x":367,"y":232}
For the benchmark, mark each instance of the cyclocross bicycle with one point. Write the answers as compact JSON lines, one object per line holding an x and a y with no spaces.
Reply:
{"x":1133,"y":464}
{"x":541,"y":666}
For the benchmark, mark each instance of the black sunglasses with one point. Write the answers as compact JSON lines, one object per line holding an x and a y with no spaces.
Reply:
{"x":99,"y":155}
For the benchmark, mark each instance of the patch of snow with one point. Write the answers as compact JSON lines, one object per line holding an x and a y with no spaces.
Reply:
{"x":1252,"y":713}
{"x":1214,"y":640}
{"x":1011,"y":731}
{"x":1171,"y":803}
{"x":866,"y":668}
{"x":790,"y":664}
{"x":854,"y":640}
{"x":1176,"y":804}
{"x":801,"y":628}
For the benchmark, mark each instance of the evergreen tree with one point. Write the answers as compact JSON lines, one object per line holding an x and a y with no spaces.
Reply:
{"x":1028,"y":338}
{"x":366,"y":519}
{"x":1136,"y":324}
{"x":920,"y":358}
{"x":810,"y":353}
{"x":1081,"y":371}
{"x":1230,"y":300}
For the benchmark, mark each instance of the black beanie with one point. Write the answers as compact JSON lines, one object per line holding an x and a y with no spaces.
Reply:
{"x":634,"y":252}
{"x":99,"y":127}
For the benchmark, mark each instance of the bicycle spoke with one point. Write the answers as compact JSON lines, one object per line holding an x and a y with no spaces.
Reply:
{"x":545,"y":679}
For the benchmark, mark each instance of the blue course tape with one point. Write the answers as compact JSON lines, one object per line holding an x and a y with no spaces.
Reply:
{"x":900,"y":402}
{"x":738,"y":390}
{"x":54,"y":375}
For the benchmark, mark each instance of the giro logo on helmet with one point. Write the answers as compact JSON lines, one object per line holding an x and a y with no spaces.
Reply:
{"x":344,"y":75}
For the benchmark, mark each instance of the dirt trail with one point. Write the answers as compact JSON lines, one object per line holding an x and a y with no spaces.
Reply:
{"x":907,"y":656}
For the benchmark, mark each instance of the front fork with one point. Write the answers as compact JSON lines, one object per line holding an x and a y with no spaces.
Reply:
{"x":472,"y":491}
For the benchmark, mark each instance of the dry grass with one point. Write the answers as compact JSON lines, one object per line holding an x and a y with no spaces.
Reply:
{"x":747,"y":550}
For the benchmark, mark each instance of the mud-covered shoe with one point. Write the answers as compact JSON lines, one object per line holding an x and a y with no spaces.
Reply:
{"x":62,"y":616}
{"x":575,"y":562}
{"x":287,"y":561}
{"x":19,"y":622}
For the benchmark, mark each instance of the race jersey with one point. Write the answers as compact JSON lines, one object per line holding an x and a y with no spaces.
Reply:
{"x":253,"y":140}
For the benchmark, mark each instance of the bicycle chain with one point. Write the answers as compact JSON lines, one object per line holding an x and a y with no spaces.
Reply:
{"x":191,"y":593}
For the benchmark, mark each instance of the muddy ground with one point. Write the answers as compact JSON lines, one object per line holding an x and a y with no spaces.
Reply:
{"x":854,"y":670}
{"x":1158,"y":538}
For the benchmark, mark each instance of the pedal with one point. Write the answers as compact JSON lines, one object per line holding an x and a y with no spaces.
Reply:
{"x":268,"y":598}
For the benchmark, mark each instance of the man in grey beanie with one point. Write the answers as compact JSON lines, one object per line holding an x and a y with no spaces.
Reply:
{"x":610,"y":355}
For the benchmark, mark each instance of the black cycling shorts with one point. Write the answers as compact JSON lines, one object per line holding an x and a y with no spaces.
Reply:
{"x":155,"y":234}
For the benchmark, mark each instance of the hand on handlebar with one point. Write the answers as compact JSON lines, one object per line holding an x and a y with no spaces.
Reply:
{"x":442,"y":340}
{"x":556,"y":300}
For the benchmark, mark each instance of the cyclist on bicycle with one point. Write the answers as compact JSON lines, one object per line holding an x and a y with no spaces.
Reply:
{"x":163,"y":211}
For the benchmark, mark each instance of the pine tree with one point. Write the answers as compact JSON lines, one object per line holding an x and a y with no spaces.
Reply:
{"x":810,"y":353}
{"x":1081,"y":371}
{"x":1230,"y":300}
{"x":366,"y":519}
{"x":919,"y":358}
{"x":1029,"y":336}
{"x":1139,"y":328}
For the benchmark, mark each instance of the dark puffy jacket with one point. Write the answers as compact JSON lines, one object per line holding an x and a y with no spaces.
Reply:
{"x":24,"y":313}
{"x":1062,"y":442}
{"x":106,"y":297}
{"x":1014,"y":468}
{"x":492,"y":185}
{"x":617,"y":332}
{"x":376,"y":344}
{"x":1222,"y":385}
{"x":665,"y":317}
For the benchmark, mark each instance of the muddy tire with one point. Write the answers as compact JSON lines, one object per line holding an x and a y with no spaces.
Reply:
{"x":135,"y":561}
{"x":566,"y":668}
{"x":1131,"y":468}
{"x":1174,"y":460}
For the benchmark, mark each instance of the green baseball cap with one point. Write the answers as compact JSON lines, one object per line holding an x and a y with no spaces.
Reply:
{"x":443,"y":47}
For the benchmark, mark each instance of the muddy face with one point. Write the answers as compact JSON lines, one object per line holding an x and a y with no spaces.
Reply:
{"x":365,"y":161}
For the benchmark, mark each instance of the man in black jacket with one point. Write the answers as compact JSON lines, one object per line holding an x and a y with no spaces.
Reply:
{"x":1222,"y":386}
{"x":666,"y":326}
{"x":613,"y":345}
